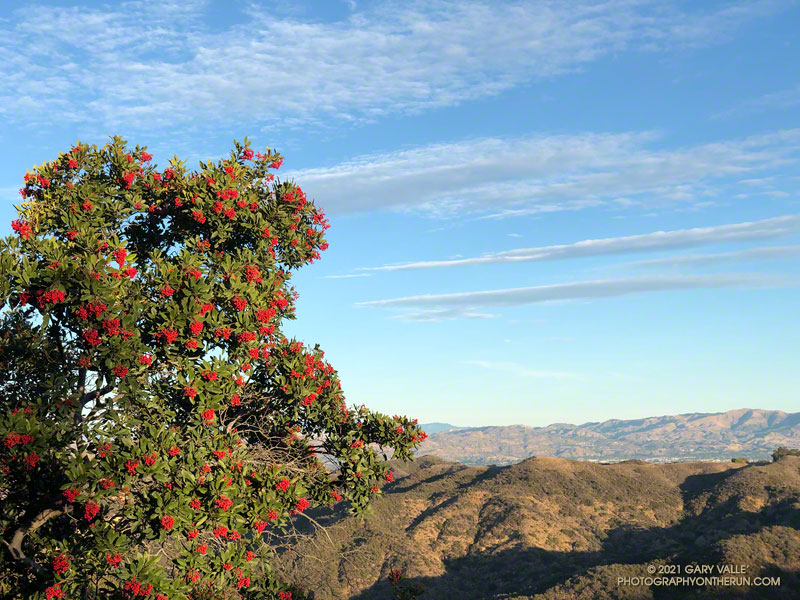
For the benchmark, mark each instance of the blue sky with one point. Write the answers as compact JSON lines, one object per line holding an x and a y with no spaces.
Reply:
{"x":541,"y":211}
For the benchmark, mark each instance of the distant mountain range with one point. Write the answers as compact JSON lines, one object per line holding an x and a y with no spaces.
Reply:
{"x":431,"y":428}
{"x":746,"y":433}
{"x":555,"y":529}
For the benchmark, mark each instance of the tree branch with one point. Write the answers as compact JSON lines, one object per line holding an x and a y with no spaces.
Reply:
{"x":97,"y":393}
{"x":81,"y":390}
{"x":88,"y":397}
{"x":15,"y":546}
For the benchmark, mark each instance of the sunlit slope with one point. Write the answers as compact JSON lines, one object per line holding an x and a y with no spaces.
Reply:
{"x":554,"y":528}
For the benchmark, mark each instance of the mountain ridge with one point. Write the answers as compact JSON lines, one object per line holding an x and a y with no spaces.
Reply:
{"x":750,"y":433}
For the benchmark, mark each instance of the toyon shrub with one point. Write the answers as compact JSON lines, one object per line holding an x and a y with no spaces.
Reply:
{"x":155,"y":425}
{"x":406,"y":591}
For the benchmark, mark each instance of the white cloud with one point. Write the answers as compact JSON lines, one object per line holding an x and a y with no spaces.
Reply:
{"x":519,"y":370}
{"x":541,"y":173}
{"x":152,"y":65}
{"x":757,"y":181}
{"x":751,"y":254}
{"x":10,"y":194}
{"x":782,"y":100}
{"x":658,"y":240}
{"x":467,"y":301}
{"x":445,"y":314}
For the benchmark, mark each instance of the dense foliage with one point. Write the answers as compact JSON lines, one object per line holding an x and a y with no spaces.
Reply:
{"x":782,"y":451}
{"x":155,"y":425}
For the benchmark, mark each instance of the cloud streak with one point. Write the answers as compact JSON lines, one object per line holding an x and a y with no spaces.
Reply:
{"x":782,"y":100}
{"x":648,"y":242}
{"x":444,"y":314}
{"x":696,"y":260}
{"x":463,"y":302}
{"x":519,"y":370}
{"x":508,"y":177}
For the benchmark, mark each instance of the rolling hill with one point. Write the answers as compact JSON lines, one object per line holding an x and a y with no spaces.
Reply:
{"x":552,"y":529}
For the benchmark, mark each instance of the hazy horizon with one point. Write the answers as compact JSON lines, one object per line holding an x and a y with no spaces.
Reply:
{"x":654,"y":416}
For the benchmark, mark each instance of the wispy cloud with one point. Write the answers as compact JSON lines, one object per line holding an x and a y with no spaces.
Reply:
{"x":153,"y":64}
{"x":540,"y":173}
{"x":658,"y":240}
{"x":782,"y":100}
{"x":691,"y":260}
{"x":10,"y":194}
{"x":468,"y":301}
{"x":518,"y":369}
{"x":444,"y":314}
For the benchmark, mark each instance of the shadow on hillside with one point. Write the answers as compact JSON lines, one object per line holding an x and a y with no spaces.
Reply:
{"x":429,"y":511}
{"x":490,"y":473}
{"x":525,"y":571}
{"x":695,"y":485}
{"x":400,"y":486}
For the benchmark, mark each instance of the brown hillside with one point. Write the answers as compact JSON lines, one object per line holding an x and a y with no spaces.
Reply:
{"x":552,"y":528}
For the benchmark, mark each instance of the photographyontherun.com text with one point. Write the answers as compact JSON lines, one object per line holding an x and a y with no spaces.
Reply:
{"x":694,"y":575}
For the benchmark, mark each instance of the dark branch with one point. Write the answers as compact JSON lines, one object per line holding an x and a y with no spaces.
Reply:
{"x":97,"y":393}
{"x":82,"y":392}
{"x":32,"y":524}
